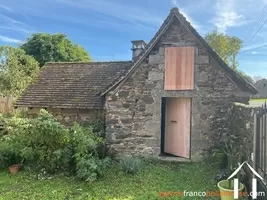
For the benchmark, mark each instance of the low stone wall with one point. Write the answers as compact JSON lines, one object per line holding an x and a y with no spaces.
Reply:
{"x":70,"y":116}
{"x":241,"y":121}
{"x":243,"y":115}
{"x":247,"y":114}
{"x":238,"y":121}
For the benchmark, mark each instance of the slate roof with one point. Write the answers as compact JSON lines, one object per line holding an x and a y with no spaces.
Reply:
{"x":174,"y":13}
{"x":72,"y":85}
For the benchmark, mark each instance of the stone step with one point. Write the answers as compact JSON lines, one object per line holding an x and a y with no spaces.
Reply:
{"x":174,"y":159}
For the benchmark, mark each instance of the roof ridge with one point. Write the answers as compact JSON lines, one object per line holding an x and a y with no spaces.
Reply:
{"x":97,"y":62}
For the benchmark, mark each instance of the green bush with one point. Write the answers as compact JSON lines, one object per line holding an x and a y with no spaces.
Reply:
{"x":9,"y":152}
{"x":130,"y":165}
{"x":10,"y":145}
{"x":43,"y":143}
{"x":98,"y":127}
{"x":84,"y":142}
{"x":43,"y":140}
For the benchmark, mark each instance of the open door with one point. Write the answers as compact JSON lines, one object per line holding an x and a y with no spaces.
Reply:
{"x":177,"y":127}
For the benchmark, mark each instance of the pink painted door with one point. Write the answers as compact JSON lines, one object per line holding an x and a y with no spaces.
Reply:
{"x":177,"y":127}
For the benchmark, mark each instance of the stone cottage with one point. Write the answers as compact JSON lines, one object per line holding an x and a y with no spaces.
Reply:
{"x":261,"y":97}
{"x":261,"y":86}
{"x":163,"y":102}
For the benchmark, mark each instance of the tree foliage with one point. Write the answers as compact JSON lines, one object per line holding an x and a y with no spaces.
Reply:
{"x":226,"y":46}
{"x":17,"y":70}
{"x":46,"y":47}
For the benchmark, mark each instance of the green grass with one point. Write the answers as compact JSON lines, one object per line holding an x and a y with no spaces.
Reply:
{"x":115,"y":185}
{"x":257,"y":100}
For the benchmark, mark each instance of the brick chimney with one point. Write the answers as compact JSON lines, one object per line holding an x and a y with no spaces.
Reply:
{"x":137,"y":47}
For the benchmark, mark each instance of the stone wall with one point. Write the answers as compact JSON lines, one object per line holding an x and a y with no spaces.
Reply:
{"x":243,"y":117}
{"x":244,"y":114}
{"x":133,"y":115}
{"x":237,"y":122}
{"x":69,"y":116}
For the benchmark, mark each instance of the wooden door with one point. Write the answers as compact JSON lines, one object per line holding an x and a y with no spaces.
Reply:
{"x":177,"y":127}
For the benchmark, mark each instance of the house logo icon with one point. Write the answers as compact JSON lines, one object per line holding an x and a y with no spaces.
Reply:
{"x":254,"y":180}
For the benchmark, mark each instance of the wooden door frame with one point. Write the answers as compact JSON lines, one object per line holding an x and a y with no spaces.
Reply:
{"x":163,"y":119}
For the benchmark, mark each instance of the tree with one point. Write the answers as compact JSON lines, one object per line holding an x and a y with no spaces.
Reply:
{"x":17,"y":70}
{"x":257,"y":78}
{"x":46,"y":47}
{"x":226,"y":47}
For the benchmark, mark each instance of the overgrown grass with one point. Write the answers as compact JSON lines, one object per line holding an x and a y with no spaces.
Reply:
{"x":115,"y":185}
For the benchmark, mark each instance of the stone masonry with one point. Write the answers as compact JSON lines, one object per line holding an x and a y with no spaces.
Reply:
{"x":133,"y":114}
{"x":69,"y":116}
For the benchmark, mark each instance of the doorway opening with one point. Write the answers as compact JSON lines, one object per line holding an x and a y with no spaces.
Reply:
{"x":175,"y":126}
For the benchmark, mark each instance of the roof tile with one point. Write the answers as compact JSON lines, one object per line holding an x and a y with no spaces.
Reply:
{"x":72,"y":85}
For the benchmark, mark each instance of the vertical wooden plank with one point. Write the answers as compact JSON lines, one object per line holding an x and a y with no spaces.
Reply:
{"x":186,"y":74}
{"x":182,"y":140}
{"x":178,"y":80}
{"x":169,"y":127}
{"x":180,"y":127}
{"x":191,"y":67}
{"x":167,"y":71}
{"x":183,"y":69}
{"x":170,"y":68}
{"x":188,"y":128}
{"x":173,"y":68}
{"x":188,"y":70}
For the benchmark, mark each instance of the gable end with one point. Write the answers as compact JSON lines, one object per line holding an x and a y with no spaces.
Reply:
{"x":240,"y":81}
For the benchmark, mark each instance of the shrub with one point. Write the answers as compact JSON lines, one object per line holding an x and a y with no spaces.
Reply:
{"x":84,"y":142}
{"x":46,"y":145}
{"x":130,"y":164}
{"x":44,"y":140}
{"x":97,"y":125}
{"x":10,"y":145}
{"x":9,"y":152}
